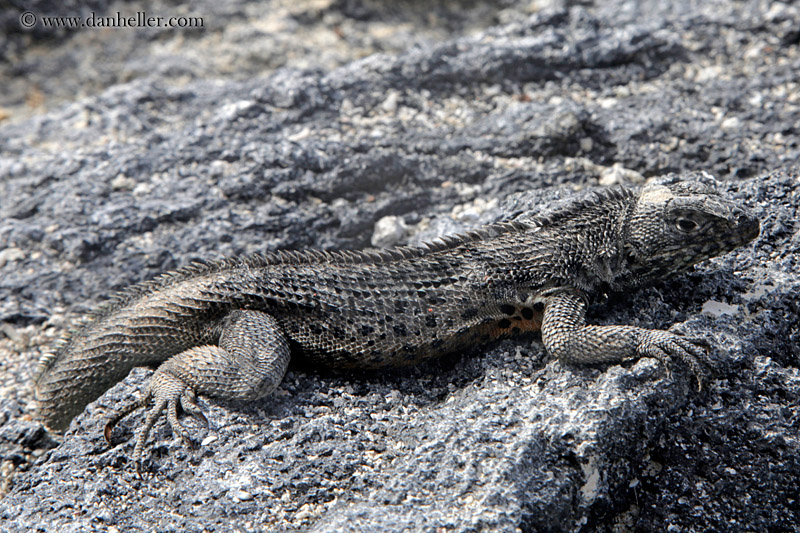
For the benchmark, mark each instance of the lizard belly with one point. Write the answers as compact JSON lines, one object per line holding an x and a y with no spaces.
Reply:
{"x":371,"y":345}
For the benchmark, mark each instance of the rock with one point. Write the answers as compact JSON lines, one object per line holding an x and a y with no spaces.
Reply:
{"x":452,"y":118}
{"x":388,"y":231}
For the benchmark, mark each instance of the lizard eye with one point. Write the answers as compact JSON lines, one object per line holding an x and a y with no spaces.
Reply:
{"x":686,"y":225}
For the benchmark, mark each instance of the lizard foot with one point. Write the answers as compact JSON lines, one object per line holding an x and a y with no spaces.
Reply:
{"x":166,"y":392}
{"x":667,"y":346}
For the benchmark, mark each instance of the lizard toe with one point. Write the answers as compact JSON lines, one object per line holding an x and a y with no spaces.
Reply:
{"x":667,"y":346}
{"x":658,"y":353}
{"x":189,"y":405}
{"x":694,"y":353}
{"x":121,"y":413}
{"x":177,"y":428}
{"x":141,"y":438}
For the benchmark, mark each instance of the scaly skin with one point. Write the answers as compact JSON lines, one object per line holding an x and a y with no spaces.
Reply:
{"x":226,"y":329}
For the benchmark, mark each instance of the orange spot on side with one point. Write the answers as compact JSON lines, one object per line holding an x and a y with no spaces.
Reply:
{"x":517,"y":324}
{"x":534,"y":324}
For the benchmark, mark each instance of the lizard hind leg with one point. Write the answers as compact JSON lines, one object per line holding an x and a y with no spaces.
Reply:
{"x":249,"y":363}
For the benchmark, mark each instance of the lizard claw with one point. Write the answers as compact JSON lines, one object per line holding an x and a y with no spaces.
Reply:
{"x":189,"y":406}
{"x":121,"y":413}
{"x":666,"y":346}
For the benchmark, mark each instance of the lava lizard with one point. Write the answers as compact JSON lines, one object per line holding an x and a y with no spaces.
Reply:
{"x":226,"y":329}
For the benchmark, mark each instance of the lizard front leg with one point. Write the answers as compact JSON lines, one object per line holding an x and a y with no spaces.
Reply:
{"x":567,"y":336}
{"x":249,"y":363}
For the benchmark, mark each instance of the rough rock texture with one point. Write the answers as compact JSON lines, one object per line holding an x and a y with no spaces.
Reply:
{"x":264,"y":130}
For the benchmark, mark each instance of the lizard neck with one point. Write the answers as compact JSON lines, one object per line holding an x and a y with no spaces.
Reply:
{"x":584,"y":249}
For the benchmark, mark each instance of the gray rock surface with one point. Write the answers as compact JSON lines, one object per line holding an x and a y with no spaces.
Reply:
{"x":288,"y":126}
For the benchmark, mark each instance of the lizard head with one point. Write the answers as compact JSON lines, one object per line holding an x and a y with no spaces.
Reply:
{"x":674,"y":225}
